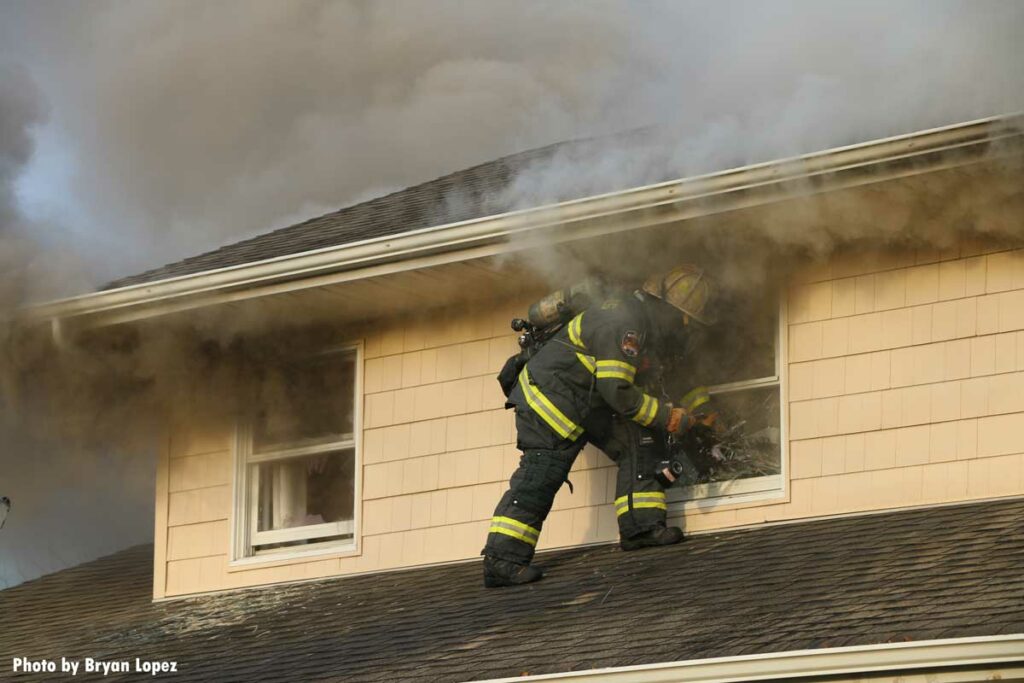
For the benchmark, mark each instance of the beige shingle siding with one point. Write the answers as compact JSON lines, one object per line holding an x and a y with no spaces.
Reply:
{"x":905,"y":385}
{"x":198,"y":508}
{"x":925,"y":403}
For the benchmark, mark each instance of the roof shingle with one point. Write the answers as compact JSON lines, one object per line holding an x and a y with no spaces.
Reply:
{"x":470,"y":193}
{"x":911,"y":575}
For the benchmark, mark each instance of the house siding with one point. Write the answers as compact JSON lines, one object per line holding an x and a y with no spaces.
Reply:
{"x":904,"y":382}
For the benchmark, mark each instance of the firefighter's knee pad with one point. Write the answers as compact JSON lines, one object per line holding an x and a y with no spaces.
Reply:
{"x":538,"y":479}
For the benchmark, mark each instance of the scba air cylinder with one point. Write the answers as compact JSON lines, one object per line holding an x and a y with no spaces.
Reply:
{"x":560,"y":306}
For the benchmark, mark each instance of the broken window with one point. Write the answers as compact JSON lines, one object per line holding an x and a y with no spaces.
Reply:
{"x":298,"y":456}
{"x":738,"y":359}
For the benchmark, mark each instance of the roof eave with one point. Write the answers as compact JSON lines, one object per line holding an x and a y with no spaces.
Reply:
{"x":921,"y":656}
{"x":839,"y":168}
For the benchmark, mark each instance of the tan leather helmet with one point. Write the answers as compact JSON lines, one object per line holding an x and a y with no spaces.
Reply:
{"x":685,"y":287}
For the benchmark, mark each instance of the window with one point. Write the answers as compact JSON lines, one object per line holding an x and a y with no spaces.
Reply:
{"x":739,"y":360}
{"x":297,"y":458}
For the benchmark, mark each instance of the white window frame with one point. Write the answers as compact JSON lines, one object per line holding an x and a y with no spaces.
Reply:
{"x":768,"y":487}
{"x":245,"y":490}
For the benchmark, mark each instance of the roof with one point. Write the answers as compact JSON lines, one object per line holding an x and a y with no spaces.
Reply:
{"x":471,"y":193}
{"x":387,"y":237}
{"x":552,"y":174}
{"x":899,"y":576}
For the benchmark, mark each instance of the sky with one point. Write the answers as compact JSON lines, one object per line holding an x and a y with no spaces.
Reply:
{"x":137,"y":133}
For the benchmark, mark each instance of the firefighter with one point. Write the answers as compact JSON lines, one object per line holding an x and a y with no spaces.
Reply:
{"x":581,"y":387}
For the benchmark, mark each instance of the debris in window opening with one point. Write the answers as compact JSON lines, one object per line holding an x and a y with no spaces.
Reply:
{"x":740,"y":449}
{"x":5,"y":507}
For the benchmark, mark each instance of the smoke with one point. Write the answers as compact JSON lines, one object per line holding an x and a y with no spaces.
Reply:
{"x":71,"y":500}
{"x":764,"y":81}
{"x":193,"y":124}
{"x":135,"y":133}
{"x":21,"y":108}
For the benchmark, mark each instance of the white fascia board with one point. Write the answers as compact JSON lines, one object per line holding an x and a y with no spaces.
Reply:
{"x":843,"y":167}
{"x":928,"y":655}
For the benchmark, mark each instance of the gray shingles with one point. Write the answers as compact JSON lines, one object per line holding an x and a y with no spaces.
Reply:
{"x":470,"y":193}
{"x":940,"y":572}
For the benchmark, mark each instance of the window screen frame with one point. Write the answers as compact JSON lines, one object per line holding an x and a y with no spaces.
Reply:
{"x":768,"y":487}
{"x":244,"y":533}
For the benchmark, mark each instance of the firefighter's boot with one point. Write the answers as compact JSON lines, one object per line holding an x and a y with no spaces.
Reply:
{"x":499,"y":573}
{"x":659,"y":535}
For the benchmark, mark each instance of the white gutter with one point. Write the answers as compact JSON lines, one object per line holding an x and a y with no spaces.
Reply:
{"x":838,"y":168}
{"x":924,"y":656}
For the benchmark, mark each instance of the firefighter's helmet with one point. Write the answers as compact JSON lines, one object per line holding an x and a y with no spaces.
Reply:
{"x":686,"y":288}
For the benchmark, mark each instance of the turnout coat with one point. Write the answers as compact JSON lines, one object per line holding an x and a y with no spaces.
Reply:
{"x":590,"y":364}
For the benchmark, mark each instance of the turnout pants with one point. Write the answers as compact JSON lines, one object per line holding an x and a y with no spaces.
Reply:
{"x":544,"y":467}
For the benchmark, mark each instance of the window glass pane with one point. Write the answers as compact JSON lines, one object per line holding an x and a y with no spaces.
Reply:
{"x":307,"y":490}
{"x":270,"y":547}
{"x":309,"y":400}
{"x":739,"y":346}
{"x":750,"y":441}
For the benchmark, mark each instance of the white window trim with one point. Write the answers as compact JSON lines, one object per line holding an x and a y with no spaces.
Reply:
{"x":243,"y":532}
{"x":768,"y":488}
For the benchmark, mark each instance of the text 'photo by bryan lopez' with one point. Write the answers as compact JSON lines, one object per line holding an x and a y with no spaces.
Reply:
{"x":88,"y":665}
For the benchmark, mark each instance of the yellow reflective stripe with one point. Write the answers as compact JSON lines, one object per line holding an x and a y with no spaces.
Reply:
{"x":657,"y":495}
{"x":625,"y":367}
{"x":641,"y":414}
{"x":540,"y":409}
{"x":576,"y":330}
{"x":651,"y":504}
{"x":654,"y":506}
{"x":588,"y":361}
{"x":516,"y":523}
{"x":614,"y":369}
{"x":572,"y":427}
{"x":514,"y":534}
{"x":654,"y":411}
{"x":695,"y":397}
{"x":606,"y":374}
{"x":648,"y":411}
{"x":547,"y":411}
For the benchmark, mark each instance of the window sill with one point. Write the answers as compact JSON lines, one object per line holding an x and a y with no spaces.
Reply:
{"x":761,"y":491}
{"x":289,"y":557}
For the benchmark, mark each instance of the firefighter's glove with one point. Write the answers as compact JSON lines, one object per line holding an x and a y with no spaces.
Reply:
{"x":697,"y":405}
{"x":678,"y":421}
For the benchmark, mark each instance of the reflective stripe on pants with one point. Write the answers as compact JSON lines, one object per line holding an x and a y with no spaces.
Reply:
{"x":515,"y":529}
{"x":641,"y":500}
{"x":520,"y":514}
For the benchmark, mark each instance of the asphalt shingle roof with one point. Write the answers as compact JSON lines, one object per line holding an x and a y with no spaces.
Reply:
{"x":912,"y":575}
{"x":470,"y":193}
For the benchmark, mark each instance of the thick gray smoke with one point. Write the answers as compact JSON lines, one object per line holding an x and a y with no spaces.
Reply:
{"x":750,"y":82}
{"x":163,"y":129}
{"x":21,"y":108}
{"x":55,"y":521}
{"x":191,"y":124}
